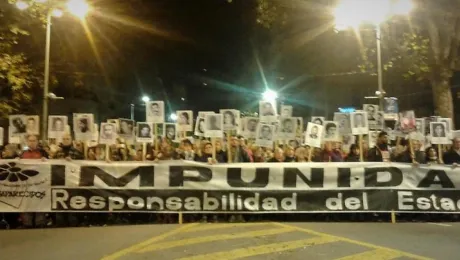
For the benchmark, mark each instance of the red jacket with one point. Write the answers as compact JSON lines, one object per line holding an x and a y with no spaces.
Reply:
{"x":34,"y":154}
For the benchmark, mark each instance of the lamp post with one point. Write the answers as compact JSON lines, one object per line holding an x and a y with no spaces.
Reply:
{"x":78,"y":8}
{"x":144,"y":99}
{"x":353,"y":13}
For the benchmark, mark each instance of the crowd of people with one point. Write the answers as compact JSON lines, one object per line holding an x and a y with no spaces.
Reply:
{"x":241,"y":151}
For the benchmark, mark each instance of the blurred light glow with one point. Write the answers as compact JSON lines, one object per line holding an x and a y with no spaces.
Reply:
{"x":41,"y":1}
{"x":269,"y":95}
{"x":353,"y":13}
{"x":173,"y":117}
{"x":183,"y":99}
{"x":22,"y":5}
{"x":78,"y":8}
{"x":57,"y":13}
{"x":145,"y":99}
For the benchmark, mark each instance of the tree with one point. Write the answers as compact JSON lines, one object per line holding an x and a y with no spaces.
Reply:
{"x":425,"y":49}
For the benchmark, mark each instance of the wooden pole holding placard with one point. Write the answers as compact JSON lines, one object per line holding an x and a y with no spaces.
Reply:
{"x":361,"y":152}
{"x":440,"y":154}
{"x":156,"y":140}
{"x":85,"y":150}
{"x":310,"y":153}
{"x":144,"y":151}
{"x":229,"y":146}
{"x":213,"y":143}
{"x":107,"y":152}
{"x":412,"y":153}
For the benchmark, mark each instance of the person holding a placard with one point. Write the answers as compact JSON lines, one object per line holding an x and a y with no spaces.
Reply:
{"x":34,"y":151}
{"x":380,"y":152}
{"x":67,"y":151}
{"x":453,"y":155}
{"x":353,"y":155}
{"x":278,"y":156}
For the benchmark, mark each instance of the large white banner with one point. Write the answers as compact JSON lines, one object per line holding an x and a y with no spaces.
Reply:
{"x":172,"y":186}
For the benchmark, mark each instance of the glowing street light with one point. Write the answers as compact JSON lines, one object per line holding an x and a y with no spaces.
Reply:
{"x":57,"y":13}
{"x":78,"y":8}
{"x":22,"y":5}
{"x":269,"y":95}
{"x":145,"y":99}
{"x":173,"y":117}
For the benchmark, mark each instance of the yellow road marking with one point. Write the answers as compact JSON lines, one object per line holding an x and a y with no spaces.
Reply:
{"x":264,"y":249}
{"x":205,"y":227}
{"x":356,"y":242}
{"x":198,"y":240}
{"x":140,"y":245}
{"x":378,"y":254}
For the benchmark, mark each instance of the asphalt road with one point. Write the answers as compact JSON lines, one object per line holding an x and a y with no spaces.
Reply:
{"x":253,"y":241}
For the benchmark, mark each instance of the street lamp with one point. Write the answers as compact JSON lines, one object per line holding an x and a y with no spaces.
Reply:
{"x":353,"y":13}
{"x":270,"y":96}
{"x":78,"y":8}
{"x":173,"y":117}
{"x":145,"y":99}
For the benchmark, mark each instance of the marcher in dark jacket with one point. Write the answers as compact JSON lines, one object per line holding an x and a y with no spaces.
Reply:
{"x":380,"y":152}
{"x":453,"y":155}
{"x":353,"y":156}
{"x":67,"y":151}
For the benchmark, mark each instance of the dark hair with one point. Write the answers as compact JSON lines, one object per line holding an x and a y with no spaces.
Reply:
{"x":382,"y":133}
{"x":187,"y":142}
{"x":185,"y":114}
{"x":427,"y":150}
{"x":232,"y":115}
{"x":287,"y":120}
{"x":31,"y":119}
{"x":352,"y":147}
{"x":266,"y":126}
{"x":329,"y":125}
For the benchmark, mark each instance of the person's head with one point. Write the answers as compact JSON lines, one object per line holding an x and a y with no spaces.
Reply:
{"x":359,"y":120}
{"x":288,"y":125}
{"x":331,"y":129}
{"x":207,"y":148}
{"x":229,"y":118}
{"x":354,"y":150}
{"x":234,"y":141}
{"x":318,"y":121}
{"x":314,"y":130}
{"x":370,"y":110}
{"x":439,"y":130}
{"x":170,"y":131}
{"x":184,"y":118}
{"x":252,"y":125}
{"x":145,"y":130}
{"x":108,"y":130}
{"x":278,"y":154}
{"x":294,"y":143}
{"x":155,"y":109}
{"x":301,"y":153}
{"x":431,"y":153}
{"x":31,"y":123}
{"x":242,"y":141}
{"x":201,"y":125}
{"x":265,"y":131}
{"x":267,"y":108}
{"x":382,"y":138}
{"x":218,"y":145}
{"x":456,"y":143}
{"x":32,"y":142}
{"x":187,"y":145}
{"x":83,"y":124}
{"x":66,"y":139}
{"x":58,"y":124}
{"x":289,"y":151}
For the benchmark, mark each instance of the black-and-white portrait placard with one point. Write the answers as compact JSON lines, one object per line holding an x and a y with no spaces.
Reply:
{"x":299,"y":131}
{"x":265,"y":135}
{"x":331,"y":131}
{"x":199,"y":126}
{"x":286,"y":111}
{"x":126,"y":129}
{"x":372,"y":138}
{"x":155,"y":112}
{"x":169,"y":131}
{"x":17,"y":125}
{"x":108,"y":134}
{"x":371,"y":111}
{"x":214,"y":125}
{"x":267,"y":112}
{"x":287,"y":128}
{"x":231,"y":119}
{"x":358,"y":122}
{"x":347,"y":141}
{"x":83,"y":124}
{"x":344,"y":122}
{"x":407,"y":121}
{"x":313,"y":135}
{"x":319,"y":120}
{"x":449,"y":127}
{"x":250,"y":127}
{"x":32,"y":124}
{"x":56,"y":126}
{"x":378,"y":121}
{"x":420,"y":126}
{"x":144,"y":132}
{"x":438,"y":133}
{"x":184,"y":120}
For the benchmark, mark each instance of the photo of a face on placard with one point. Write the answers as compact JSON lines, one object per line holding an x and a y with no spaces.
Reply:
{"x":286,"y":111}
{"x":17,"y":125}
{"x":287,"y":128}
{"x":155,"y":112}
{"x":319,"y":120}
{"x":438,"y":133}
{"x":199,"y":126}
{"x":56,"y":126}
{"x":331,"y":131}
{"x":359,"y":124}
{"x":267,"y":112}
{"x":170,"y":131}
{"x":343,"y":120}
{"x":144,"y":132}
{"x":407,"y":121}
{"x":184,"y":120}
{"x":420,"y":126}
{"x":108,"y":134}
{"x":313,"y":135}
{"x":83,"y":123}
{"x":371,"y":111}
{"x":448,"y":122}
{"x":126,"y":128}
{"x":231,"y":119}
{"x":32,"y":124}
{"x":250,"y":127}
{"x":214,"y":125}
{"x":299,"y":131}
{"x":372,"y":138}
{"x":265,"y":135}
